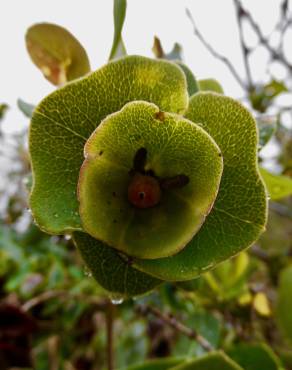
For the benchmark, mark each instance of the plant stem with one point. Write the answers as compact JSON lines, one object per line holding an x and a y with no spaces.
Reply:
{"x":177,"y":325}
{"x":109,"y":332}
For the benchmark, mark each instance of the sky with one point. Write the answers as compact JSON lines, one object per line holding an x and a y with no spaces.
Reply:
{"x":91,"y":22}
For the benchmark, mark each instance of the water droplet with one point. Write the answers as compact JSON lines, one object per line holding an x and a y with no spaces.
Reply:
{"x":87,"y":272}
{"x":116,"y":298}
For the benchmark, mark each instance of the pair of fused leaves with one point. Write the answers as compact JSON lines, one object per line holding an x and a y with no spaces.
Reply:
{"x":130,"y":251}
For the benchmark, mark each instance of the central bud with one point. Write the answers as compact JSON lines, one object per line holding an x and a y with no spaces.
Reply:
{"x":144,"y":191}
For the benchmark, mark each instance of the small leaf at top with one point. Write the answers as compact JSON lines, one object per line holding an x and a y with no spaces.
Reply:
{"x":175,"y":54}
{"x":278,"y":186}
{"x":56,"y":52}
{"x":210,"y":84}
{"x":118,"y":47}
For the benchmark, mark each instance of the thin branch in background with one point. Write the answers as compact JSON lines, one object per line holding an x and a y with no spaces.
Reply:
{"x":276,"y":55}
{"x":221,"y":57}
{"x":245,"y":50}
{"x":146,"y":310}
{"x":110,"y":335}
{"x":62,"y":294}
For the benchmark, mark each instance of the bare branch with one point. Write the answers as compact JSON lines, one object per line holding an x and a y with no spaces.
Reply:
{"x":276,"y":55}
{"x":175,"y":324}
{"x":245,"y":50}
{"x":215,"y":54}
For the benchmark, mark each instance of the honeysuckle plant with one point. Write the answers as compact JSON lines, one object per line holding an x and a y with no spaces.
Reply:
{"x":153,"y":185}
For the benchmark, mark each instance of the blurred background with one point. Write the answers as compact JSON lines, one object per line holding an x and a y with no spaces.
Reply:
{"x":52,"y":313}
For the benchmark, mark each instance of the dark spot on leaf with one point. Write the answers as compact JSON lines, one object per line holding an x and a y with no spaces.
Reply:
{"x":174,"y":182}
{"x":220,"y":154}
{"x":114,"y":194}
{"x":160,"y":116}
{"x":141,"y":195}
{"x":101,"y":152}
{"x":115,"y":221}
{"x":140,"y":160}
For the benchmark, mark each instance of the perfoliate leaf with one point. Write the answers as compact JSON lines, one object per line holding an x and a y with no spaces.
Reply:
{"x":113,"y":272}
{"x":26,"y":108}
{"x":56,"y":52}
{"x":278,"y":186}
{"x":239,"y":214}
{"x":174,"y":146}
{"x":210,"y":84}
{"x":63,"y":121}
{"x":284,"y":302}
{"x":118,"y":47}
{"x":254,"y":356}
{"x":212,"y":361}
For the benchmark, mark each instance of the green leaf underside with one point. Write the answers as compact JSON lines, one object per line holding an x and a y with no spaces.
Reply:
{"x":278,"y":186}
{"x":212,"y":361}
{"x":64,"y":120}
{"x":284,"y":303}
{"x":174,"y":146}
{"x":111,"y":271}
{"x":238,"y":216}
{"x":26,"y":108}
{"x":267,"y":128}
{"x":192,"y":83}
{"x":56,"y":52}
{"x":254,"y":357}
{"x":157,"y":364}
{"x":118,"y":46}
{"x":210,"y":84}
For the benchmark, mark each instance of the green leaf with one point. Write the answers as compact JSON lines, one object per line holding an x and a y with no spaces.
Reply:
{"x":267,"y":128}
{"x":3,"y":109}
{"x":213,"y":361}
{"x":174,"y":146}
{"x":112,"y":272}
{"x":56,"y":52}
{"x":118,"y":48}
{"x":239,"y":214}
{"x":26,"y":108}
{"x":210,"y":84}
{"x":157,"y":364}
{"x":278,"y":186}
{"x":63,"y":121}
{"x":193,"y":85}
{"x":254,"y":357}
{"x":284,"y":302}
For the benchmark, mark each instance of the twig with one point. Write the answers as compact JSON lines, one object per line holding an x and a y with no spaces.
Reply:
{"x":215,"y":54}
{"x":50,"y":294}
{"x":174,"y":323}
{"x":264,"y":41}
{"x":245,"y":50}
{"x":110,"y":337}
